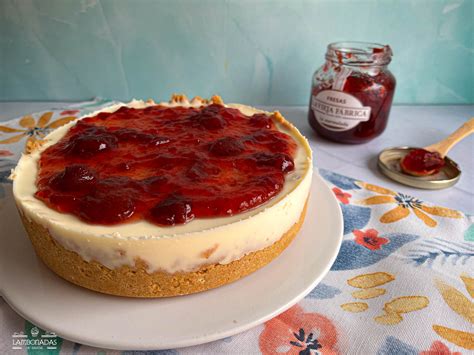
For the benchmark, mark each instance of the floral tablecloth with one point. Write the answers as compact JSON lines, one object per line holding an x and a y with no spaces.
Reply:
{"x":403,"y":282}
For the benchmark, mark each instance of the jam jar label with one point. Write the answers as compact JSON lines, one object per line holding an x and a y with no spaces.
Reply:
{"x":338,"y":111}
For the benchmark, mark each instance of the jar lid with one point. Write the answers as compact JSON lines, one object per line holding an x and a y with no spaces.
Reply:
{"x":359,"y":53}
{"x":389,"y":164}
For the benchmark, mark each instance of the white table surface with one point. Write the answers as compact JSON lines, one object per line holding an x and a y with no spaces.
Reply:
{"x":408,"y":125}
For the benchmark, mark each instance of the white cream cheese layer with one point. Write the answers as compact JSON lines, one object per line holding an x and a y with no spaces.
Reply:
{"x":177,"y":248}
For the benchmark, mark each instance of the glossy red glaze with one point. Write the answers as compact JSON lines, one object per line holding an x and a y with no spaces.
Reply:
{"x":421,"y":162}
{"x":165,"y":165}
{"x":374,"y":91}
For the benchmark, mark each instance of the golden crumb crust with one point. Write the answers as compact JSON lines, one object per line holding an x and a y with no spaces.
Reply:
{"x":136,"y":281}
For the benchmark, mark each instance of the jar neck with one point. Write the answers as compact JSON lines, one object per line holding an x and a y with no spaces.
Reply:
{"x":356,"y":67}
{"x":359,"y":54}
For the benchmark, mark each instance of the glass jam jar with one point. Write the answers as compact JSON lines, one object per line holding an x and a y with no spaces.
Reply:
{"x":352,"y":92}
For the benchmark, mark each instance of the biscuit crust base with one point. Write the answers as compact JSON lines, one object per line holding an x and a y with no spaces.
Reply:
{"x":136,"y":281}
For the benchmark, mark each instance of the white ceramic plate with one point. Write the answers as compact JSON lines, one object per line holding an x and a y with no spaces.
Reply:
{"x":95,"y":319}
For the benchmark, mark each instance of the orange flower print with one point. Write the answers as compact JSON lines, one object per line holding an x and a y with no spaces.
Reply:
{"x":438,"y":348}
{"x":35,"y":131}
{"x":342,"y":196}
{"x":405,"y":204}
{"x":369,"y":239}
{"x":298,"y":333}
{"x":463,"y":306}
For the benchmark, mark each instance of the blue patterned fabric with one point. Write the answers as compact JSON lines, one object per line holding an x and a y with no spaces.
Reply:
{"x":402,"y":283}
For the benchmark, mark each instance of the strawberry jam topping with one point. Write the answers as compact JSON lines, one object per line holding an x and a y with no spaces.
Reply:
{"x":165,"y":165}
{"x":420,"y":162}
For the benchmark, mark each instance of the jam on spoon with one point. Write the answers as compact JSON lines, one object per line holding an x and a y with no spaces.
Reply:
{"x":421,"y":162}
{"x":430,"y":160}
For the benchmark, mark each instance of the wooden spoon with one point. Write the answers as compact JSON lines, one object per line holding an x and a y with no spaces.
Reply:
{"x":429,"y":160}
{"x":444,"y":146}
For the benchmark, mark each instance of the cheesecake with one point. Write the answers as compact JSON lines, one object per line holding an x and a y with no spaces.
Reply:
{"x":146,"y":199}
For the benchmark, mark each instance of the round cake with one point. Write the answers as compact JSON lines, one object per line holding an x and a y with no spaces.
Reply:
{"x":156,"y":200}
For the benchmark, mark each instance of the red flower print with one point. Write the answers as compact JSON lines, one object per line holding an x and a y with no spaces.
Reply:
{"x":341,"y":195}
{"x":438,"y":348}
{"x":69,"y":112}
{"x":298,"y":333}
{"x":5,"y":153}
{"x":369,"y":239}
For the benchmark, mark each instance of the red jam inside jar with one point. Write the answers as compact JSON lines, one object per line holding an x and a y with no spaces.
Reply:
{"x":166,"y":165}
{"x":352,"y":92}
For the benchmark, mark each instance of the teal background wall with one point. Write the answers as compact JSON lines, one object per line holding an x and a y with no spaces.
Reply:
{"x":257,"y":52}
